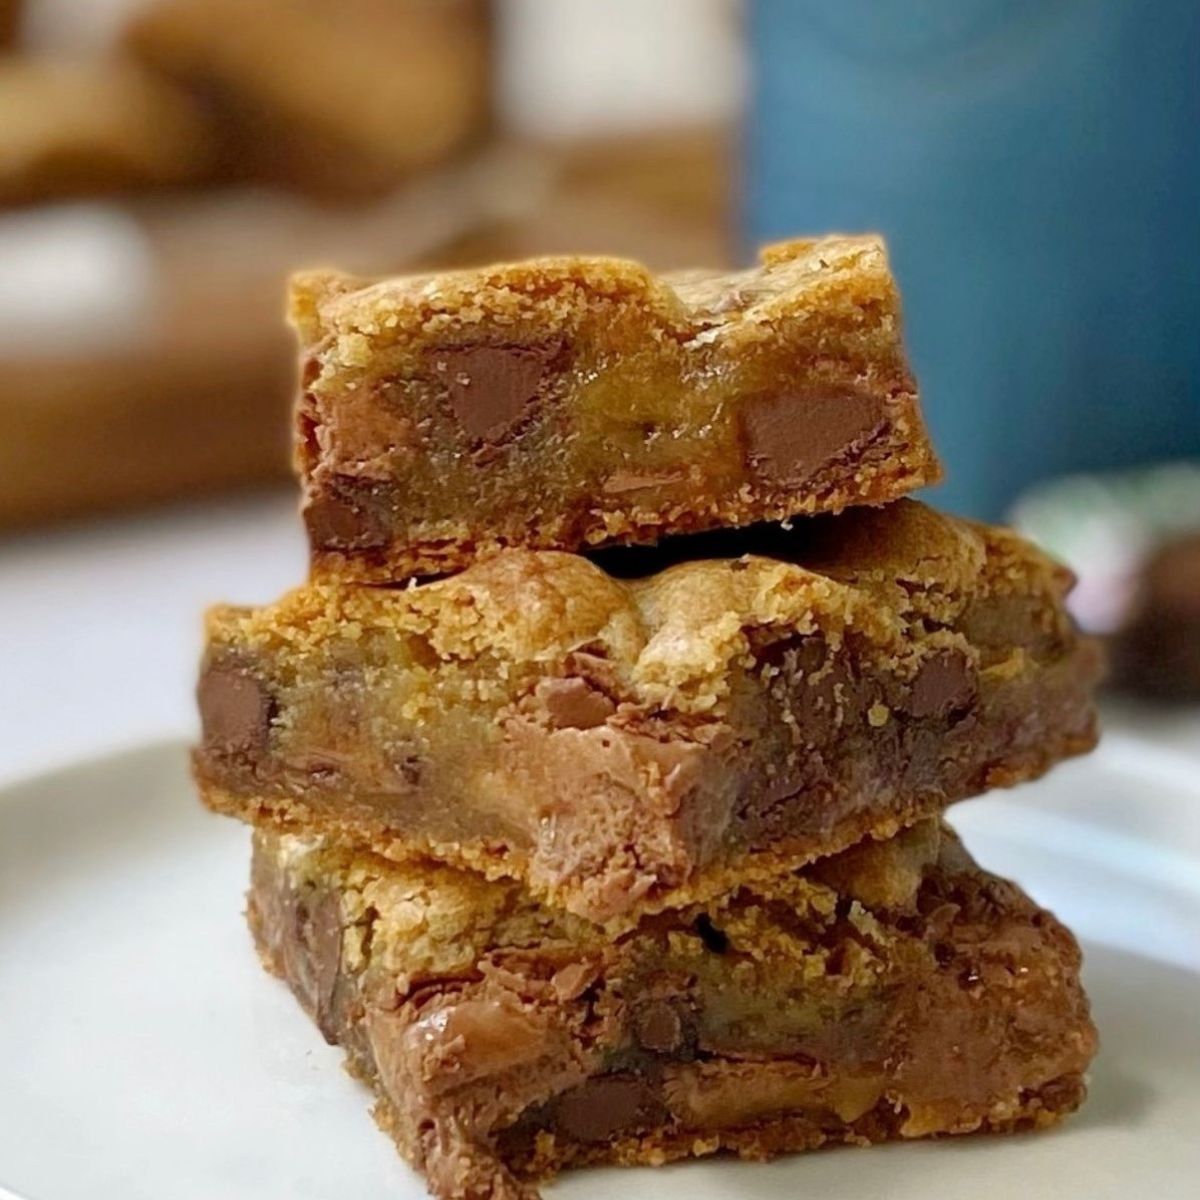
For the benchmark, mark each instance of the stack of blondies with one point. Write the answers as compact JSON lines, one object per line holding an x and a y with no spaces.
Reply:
{"x":597,"y":771}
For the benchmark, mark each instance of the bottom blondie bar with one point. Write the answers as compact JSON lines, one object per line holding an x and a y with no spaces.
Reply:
{"x":893,"y":991}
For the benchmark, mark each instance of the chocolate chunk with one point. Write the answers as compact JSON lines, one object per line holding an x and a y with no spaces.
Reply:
{"x":574,"y":703}
{"x":943,"y":683}
{"x":316,"y":974}
{"x":490,"y":387}
{"x":365,"y":434}
{"x":341,"y":518}
{"x":300,"y":928}
{"x":819,"y":689}
{"x":658,"y":1028}
{"x":235,"y":711}
{"x":791,"y":435}
{"x":601,"y":1108}
{"x":331,"y":521}
{"x":483,"y":1036}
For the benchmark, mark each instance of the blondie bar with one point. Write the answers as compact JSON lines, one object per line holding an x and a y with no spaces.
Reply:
{"x":896,"y":991}
{"x":563,"y":403}
{"x":620,"y":743}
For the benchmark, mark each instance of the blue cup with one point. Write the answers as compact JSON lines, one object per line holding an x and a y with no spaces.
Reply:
{"x":1034,"y":166}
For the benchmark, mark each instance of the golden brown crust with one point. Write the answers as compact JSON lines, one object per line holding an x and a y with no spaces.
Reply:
{"x":562,"y":403}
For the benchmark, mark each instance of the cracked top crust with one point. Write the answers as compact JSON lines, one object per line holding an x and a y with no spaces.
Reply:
{"x":815,"y":275}
{"x":896,"y":575}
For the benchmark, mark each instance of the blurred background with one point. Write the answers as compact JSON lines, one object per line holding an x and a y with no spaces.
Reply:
{"x":165,"y":163}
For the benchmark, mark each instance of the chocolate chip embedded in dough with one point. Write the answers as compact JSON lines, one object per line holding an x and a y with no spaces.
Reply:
{"x":487,"y":1035}
{"x":658,"y":1028}
{"x":791,"y":435}
{"x":490,"y":387}
{"x":574,"y":704}
{"x":340,"y":519}
{"x":601,"y":1108}
{"x":235,"y":710}
{"x":364,"y":434}
{"x":320,"y":935}
{"x":331,"y":521}
{"x":943,"y":683}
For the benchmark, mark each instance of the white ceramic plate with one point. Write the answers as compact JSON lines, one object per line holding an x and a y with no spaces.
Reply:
{"x":144,"y":1054}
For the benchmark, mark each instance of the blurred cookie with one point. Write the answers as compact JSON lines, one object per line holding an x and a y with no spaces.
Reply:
{"x":74,"y":128}
{"x":1157,"y":651}
{"x":1133,"y":539}
{"x":10,"y":19}
{"x":340,"y":100}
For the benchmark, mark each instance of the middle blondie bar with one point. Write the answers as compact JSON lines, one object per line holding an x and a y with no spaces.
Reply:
{"x":622,"y":743}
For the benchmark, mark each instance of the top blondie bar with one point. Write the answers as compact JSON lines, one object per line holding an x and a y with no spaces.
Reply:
{"x":570,"y":403}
